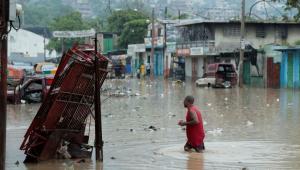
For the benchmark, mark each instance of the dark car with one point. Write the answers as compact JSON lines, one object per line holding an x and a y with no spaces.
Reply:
{"x":219,"y":75}
{"x":33,"y":90}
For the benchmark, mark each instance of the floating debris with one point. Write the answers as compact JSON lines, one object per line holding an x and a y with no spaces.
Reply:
{"x":225,"y":98}
{"x":277,"y":100}
{"x":249,"y":123}
{"x":112,"y":157}
{"x":152,"y":128}
{"x":215,"y":132}
{"x":208,"y":104}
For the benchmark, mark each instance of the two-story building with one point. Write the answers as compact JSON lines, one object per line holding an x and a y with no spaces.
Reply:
{"x":205,"y":41}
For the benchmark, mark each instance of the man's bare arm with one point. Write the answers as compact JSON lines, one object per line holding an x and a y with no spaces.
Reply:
{"x":194,"y":120}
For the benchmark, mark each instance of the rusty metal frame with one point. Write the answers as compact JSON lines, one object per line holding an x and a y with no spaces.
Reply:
{"x":68,"y":103}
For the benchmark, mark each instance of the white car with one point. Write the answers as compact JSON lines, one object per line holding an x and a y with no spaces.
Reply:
{"x":205,"y":82}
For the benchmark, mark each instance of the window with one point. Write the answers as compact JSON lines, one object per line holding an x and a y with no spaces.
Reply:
{"x":232,"y":30}
{"x":260,"y":31}
{"x":159,"y":32}
{"x":282,"y":32}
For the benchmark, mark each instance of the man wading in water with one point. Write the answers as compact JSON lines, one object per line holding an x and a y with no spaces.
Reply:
{"x":194,"y":126}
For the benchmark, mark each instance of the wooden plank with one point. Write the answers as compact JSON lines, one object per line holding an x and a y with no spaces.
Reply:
{"x":269,"y":72}
{"x":276,"y":76}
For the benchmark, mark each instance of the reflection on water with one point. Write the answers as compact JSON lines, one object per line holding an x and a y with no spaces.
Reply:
{"x":251,"y":128}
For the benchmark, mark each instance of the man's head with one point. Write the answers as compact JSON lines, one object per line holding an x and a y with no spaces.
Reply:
{"x":188,"y":101}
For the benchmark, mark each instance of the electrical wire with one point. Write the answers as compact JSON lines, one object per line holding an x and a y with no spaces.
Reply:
{"x":267,"y":15}
{"x":274,"y":8}
{"x":12,"y":25}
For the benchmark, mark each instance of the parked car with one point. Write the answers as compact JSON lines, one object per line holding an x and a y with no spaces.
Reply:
{"x":15,"y":76}
{"x":33,"y":90}
{"x":45,"y":67}
{"x":218,"y":75}
{"x":27,"y":67}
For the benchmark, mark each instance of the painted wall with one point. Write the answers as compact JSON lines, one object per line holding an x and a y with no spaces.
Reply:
{"x":290,"y":71}
{"x":27,"y":43}
{"x":256,"y":42}
{"x":188,"y":66}
{"x":200,"y":71}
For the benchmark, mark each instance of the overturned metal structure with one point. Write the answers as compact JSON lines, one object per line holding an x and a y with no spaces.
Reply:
{"x":63,"y":116}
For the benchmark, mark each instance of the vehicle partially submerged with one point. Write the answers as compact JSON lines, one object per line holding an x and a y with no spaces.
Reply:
{"x":218,"y":75}
{"x":59,"y":127}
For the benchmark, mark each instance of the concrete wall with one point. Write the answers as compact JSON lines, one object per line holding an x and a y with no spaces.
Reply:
{"x":200,"y":71}
{"x":188,"y":66}
{"x":256,"y":42}
{"x":27,"y":43}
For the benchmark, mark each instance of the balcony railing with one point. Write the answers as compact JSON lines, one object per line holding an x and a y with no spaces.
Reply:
{"x":191,"y":44}
{"x":209,"y":47}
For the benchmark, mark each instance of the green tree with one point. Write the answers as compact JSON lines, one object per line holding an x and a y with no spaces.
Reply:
{"x":130,"y":24}
{"x":41,"y":13}
{"x":70,"y":22}
{"x":118,"y":19}
{"x":291,"y":4}
{"x":133,"y":33}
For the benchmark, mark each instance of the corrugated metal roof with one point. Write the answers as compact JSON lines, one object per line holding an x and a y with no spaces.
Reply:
{"x":295,"y":48}
{"x":203,"y":21}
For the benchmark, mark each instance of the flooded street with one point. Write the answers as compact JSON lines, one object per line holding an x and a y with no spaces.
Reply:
{"x":245,"y":128}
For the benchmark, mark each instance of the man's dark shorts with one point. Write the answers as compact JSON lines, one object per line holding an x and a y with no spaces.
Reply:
{"x":199,"y":148}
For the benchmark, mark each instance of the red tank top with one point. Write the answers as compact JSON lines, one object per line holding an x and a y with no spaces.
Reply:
{"x":195,"y":133}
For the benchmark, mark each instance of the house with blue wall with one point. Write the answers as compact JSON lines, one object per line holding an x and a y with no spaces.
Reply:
{"x":158,"y":57}
{"x":289,"y":67}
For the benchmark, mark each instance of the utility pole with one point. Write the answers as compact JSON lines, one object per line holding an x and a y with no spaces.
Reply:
{"x":44,"y":48}
{"x":165,"y":45}
{"x":152,"y":48}
{"x":97,"y":103}
{"x":179,"y":15}
{"x":242,"y":43}
{"x":4,"y":11}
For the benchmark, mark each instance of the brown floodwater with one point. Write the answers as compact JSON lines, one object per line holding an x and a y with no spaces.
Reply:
{"x":245,"y":128}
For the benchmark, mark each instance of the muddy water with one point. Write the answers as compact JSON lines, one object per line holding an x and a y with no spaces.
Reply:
{"x":245,"y":128}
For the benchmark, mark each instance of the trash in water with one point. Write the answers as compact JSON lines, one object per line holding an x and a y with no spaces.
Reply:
{"x":112,"y":157}
{"x":153,"y":128}
{"x":208,"y":104}
{"x":215,"y":132}
{"x":225,"y":98}
{"x":277,"y":100}
{"x":249,"y":123}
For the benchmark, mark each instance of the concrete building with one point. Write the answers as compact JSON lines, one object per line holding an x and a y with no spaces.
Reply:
{"x":205,"y":41}
{"x":27,"y":44}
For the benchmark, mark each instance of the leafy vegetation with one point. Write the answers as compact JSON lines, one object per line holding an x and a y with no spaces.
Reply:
{"x":70,"y":22}
{"x":133,"y":33}
{"x":130,"y":24}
